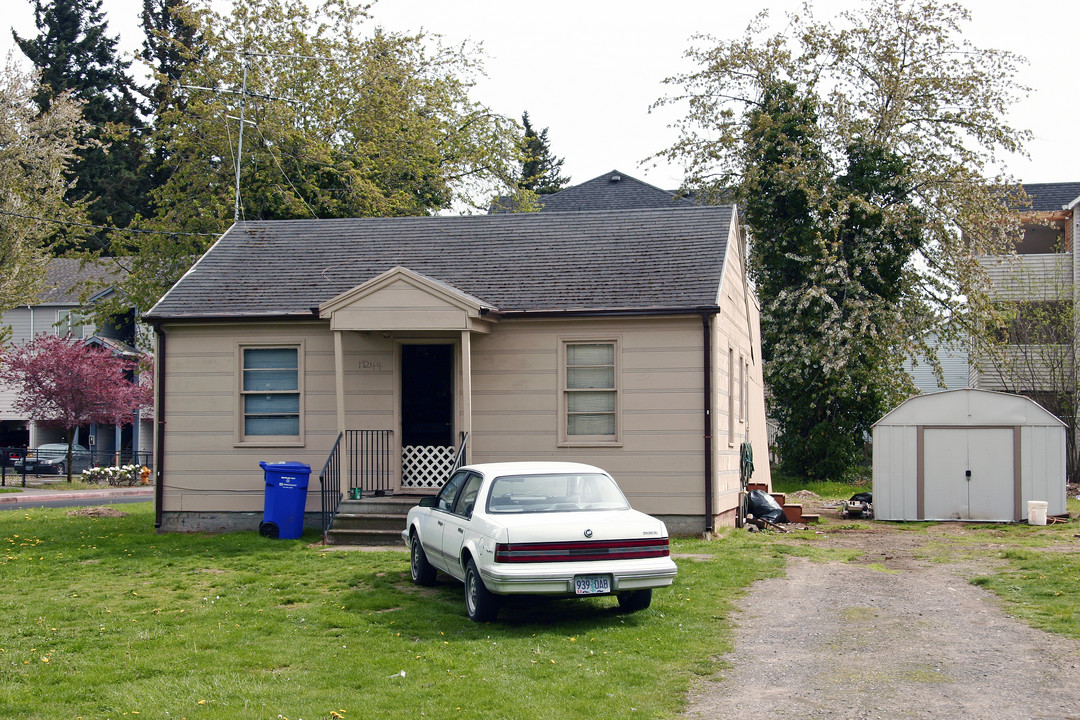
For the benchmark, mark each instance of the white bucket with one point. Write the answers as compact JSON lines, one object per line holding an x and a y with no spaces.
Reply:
{"x":1036,"y":512}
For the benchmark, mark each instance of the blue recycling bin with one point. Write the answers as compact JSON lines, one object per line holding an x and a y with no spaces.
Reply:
{"x":285,"y":499}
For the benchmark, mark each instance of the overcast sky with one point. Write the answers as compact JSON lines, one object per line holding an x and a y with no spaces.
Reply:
{"x":589,"y":69}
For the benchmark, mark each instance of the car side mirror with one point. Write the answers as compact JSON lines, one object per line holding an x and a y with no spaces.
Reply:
{"x":429,"y":502}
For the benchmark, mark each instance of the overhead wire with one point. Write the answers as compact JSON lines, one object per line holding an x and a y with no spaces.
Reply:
{"x":105,"y":227}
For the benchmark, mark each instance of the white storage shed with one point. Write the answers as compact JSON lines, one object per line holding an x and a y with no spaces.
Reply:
{"x":968,"y":455}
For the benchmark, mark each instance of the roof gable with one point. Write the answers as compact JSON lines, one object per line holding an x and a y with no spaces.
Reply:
{"x":611,"y":191}
{"x":401,"y":299}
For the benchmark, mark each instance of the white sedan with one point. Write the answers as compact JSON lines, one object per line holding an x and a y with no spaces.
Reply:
{"x":540,"y":528}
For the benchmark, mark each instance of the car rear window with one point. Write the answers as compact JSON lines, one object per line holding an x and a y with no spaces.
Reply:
{"x":554,"y":493}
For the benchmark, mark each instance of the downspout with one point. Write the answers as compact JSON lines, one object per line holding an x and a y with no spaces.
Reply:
{"x":159,"y":420}
{"x":706,"y":329}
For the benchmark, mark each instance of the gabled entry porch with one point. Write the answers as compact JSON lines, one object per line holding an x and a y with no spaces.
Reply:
{"x":403,"y":379}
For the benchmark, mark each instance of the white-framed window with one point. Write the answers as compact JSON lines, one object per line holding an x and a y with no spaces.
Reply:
{"x":590,"y":392}
{"x":71,"y":322}
{"x":744,"y":395}
{"x":271,"y":394}
{"x":731,"y":407}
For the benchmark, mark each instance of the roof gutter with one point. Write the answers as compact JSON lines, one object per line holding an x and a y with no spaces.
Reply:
{"x":609,"y":312}
{"x":295,"y":317}
{"x":159,"y":425}
{"x":313,"y":314}
{"x":707,"y":345}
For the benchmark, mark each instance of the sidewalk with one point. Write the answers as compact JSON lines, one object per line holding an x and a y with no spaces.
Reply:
{"x":58,"y":491}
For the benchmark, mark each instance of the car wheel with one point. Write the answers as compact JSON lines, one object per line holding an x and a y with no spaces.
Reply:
{"x":422,"y":571}
{"x":481,"y":603}
{"x":60,"y":469}
{"x":635,"y":600}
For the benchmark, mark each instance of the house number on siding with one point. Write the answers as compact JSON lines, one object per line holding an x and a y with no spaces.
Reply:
{"x":375,"y":365}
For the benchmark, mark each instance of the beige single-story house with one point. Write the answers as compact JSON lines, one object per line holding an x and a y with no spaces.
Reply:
{"x":626,"y":339}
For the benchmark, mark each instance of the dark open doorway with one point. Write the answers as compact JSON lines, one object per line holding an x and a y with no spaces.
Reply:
{"x":427,"y":395}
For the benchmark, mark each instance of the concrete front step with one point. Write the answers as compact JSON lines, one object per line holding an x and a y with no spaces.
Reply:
{"x":369,"y":521}
{"x":365,"y":537}
{"x":386,"y":504}
{"x":375,"y":520}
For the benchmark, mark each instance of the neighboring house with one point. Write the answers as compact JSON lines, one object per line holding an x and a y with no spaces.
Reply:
{"x":611,"y":191}
{"x":60,"y":312}
{"x":955,"y":368}
{"x":627,"y":339}
{"x":1042,"y":275}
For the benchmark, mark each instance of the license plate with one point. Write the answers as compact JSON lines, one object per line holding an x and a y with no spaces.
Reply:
{"x":592,"y":584}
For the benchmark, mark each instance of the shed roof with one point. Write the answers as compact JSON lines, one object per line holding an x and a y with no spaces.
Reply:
{"x":668,"y":258}
{"x":969,"y":407}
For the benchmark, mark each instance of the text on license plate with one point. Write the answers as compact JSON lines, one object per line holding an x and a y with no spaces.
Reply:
{"x":592,"y":584}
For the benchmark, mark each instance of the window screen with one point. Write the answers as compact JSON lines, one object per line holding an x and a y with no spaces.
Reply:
{"x":590,"y":389}
{"x":271,"y":391}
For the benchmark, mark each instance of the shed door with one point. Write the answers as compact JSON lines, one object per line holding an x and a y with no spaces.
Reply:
{"x":968,"y":474}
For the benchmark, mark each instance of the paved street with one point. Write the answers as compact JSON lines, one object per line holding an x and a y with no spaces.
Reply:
{"x":56,"y":495}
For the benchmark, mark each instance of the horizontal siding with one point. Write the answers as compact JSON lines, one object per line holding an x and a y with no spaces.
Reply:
{"x":516,"y":392}
{"x":1029,"y":277}
{"x":1029,"y":368}
{"x":516,"y":397}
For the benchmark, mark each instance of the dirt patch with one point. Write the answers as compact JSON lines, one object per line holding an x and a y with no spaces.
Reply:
{"x":891,"y":635}
{"x":97,"y":511}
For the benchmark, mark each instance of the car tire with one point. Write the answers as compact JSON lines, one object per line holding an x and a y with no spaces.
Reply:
{"x":421,"y":570}
{"x":635,"y":600}
{"x":481,"y":604}
{"x":60,"y":469}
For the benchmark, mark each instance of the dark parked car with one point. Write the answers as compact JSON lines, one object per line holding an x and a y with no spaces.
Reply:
{"x":51,"y":459}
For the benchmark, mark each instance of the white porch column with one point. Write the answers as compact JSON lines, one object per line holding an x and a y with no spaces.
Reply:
{"x":466,"y":381}
{"x":339,"y":379}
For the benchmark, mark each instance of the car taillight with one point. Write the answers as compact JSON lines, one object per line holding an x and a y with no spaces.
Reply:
{"x":575,"y":551}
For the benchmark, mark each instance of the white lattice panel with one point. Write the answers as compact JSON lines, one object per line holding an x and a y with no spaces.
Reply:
{"x":426,"y":466}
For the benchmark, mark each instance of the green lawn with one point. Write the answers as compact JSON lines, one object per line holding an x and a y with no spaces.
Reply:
{"x":104,"y":618}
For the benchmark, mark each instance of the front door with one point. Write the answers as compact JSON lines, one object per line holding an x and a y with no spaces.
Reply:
{"x":427,"y":414}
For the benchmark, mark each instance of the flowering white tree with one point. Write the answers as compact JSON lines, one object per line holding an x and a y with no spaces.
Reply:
{"x":863,"y":153}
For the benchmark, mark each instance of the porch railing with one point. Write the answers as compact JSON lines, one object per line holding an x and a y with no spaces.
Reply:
{"x":370,"y":468}
{"x":330,"y":487}
{"x":459,"y":458}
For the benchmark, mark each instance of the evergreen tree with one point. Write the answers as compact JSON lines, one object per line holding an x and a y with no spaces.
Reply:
{"x":74,"y":54}
{"x":172,"y":45}
{"x":539,"y":167}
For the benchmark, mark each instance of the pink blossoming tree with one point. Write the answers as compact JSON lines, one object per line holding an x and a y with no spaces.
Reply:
{"x":62,"y":382}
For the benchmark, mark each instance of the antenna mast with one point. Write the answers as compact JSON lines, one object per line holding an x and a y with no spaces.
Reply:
{"x":240,"y":149}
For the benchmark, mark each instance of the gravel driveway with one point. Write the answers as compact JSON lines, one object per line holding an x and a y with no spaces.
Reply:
{"x":899,"y":638}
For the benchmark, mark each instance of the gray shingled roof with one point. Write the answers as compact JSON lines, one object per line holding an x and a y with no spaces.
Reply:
{"x":611,"y":191}
{"x":1048,"y":197}
{"x":66,"y":279}
{"x":631,"y":259}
